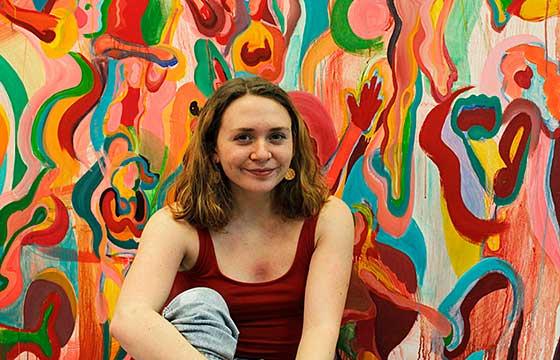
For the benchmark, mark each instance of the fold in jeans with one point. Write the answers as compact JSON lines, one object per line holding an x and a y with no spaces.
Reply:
{"x":201,"y":315}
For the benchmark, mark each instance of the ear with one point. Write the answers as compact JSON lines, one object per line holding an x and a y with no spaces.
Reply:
{"x":215,"y":158}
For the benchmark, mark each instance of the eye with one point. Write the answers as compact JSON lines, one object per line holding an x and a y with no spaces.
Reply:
{"x":242,"y":138}
{"x":278,"y":137}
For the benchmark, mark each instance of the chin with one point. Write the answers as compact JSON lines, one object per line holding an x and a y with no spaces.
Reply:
{"x":257,"y":187}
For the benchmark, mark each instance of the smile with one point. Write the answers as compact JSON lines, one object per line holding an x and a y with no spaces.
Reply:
{"x":260,"y":172}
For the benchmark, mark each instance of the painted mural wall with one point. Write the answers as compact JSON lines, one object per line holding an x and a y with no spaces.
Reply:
{"x":437,"y":121}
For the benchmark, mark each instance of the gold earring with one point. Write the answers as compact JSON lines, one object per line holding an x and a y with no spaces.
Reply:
{"x":290,"y":174}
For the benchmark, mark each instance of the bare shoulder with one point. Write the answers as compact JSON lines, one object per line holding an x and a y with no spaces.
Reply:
{"x":335,"y":218}
{"x":165,"y":225}
{"x":164,"y":231}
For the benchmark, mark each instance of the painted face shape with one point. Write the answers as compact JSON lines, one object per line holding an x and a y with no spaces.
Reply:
{"x":255,"y":144}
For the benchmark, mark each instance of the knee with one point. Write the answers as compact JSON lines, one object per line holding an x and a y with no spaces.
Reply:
{"x":200,"y":296}
{"x":197,"y":300}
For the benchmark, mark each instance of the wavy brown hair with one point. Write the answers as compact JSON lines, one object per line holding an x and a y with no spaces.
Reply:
{"x":202,"y":194}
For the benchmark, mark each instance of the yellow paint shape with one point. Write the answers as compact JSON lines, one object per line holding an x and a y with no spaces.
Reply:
{"x":537,"y":10}
{"x":515,"y":144}
{"x":47,"y":202}
{"x":462,"y":254}
{"x":69,"y":167}
{"x":437,"y":6}
{"x":111,"y":292}
{"x":66,"y":34}
{"x":493,"y":242}
{"x":120,"y":181}
{"x":323,"y":47}
{"x":4,"y":134}
{"x":487,"y":154}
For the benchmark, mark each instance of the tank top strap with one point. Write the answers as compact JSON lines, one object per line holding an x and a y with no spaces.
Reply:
{"x":307,"y":239}
{"x":206,"y":260}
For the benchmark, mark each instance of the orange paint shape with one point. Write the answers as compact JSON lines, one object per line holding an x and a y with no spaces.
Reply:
{"x":39,"y":23}
{"x":4,"y":134}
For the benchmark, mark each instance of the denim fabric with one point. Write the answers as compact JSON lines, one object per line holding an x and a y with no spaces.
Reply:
{"x":201,"y":315}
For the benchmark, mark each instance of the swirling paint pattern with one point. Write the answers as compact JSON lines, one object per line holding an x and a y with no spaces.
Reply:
{"x":437,"y":122}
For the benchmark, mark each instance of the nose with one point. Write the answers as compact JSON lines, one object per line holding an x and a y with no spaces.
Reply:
{"x":260,"y":152}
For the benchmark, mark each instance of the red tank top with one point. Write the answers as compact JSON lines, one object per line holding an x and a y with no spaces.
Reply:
{"x":269,"y":315}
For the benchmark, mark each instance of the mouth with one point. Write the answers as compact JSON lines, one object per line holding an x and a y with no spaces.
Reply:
{"x":260,"y":172}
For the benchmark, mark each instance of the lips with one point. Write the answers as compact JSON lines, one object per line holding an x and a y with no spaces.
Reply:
{"x":264,"y":172}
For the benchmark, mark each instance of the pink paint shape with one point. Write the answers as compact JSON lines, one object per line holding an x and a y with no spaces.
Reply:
{"x":369,"y":18}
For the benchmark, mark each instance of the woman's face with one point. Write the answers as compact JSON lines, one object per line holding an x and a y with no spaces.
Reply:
{"x":254,"y":145}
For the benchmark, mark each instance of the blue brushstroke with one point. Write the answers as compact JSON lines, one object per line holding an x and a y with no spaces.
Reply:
{"x":411,"y":243}
{"x":98,"y":117}
{"x":39,"y":4}
{"x":451,"y":305}
{"x":478,"y":355}
{"x":81,"y":201}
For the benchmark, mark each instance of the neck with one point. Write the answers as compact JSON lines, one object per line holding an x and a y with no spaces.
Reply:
{"x":251,"y":207}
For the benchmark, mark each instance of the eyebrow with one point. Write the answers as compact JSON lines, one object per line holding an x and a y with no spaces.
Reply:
{"x":273,"y":129}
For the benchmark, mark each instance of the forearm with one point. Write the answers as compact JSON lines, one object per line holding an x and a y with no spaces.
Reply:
{"x":147,"y":335}
{"x":318,"y":343}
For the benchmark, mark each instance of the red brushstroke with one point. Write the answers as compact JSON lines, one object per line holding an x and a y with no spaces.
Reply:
{"x":124,"y":20}
{"x":256,"y":56}
{"x":41,"y":24}
{"x":477,"y":230}
{"x":363,"y":114}
{"x":318,"y":121}
{"x":220,"y":72}
{"x":117,"y":223}
{"x":209,"y":18}
{"x":55,"y":233}
{"x":523,"y":78}
{"x":484,"y":117}
{"x":130,"y":106}
{"x":381,"y":324}
{"x":506,"y":178}
{"x":77,"y":111}
{"x":361,"y":118}
{"x":515,"y":7}
{"x":486,"y":285}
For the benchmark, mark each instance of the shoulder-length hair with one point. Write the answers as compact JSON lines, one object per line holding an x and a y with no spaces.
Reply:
{"x":202,"y":194}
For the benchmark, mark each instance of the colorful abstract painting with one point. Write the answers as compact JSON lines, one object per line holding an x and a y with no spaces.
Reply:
{"x":437,"y":121}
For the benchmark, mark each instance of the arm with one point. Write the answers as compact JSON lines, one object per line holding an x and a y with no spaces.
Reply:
{"x":327,"y":281}
{"x":136,"y":323}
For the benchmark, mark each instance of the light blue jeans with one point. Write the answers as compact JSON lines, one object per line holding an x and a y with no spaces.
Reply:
{"x":201,"y":315}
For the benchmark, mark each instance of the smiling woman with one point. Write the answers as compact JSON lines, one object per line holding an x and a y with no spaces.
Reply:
{"x":263,"y":253}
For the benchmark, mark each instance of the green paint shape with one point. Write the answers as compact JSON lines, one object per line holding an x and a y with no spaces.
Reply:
{"x":460,"y":25}
{"x":18,"y":98}
{"x":207,"y":55}
{"x":279,"y":15}
{"x":343,"y":35}
{"x":346,"y":335}
{"x":476,"y":132}
{"x":153,"y":22}
{"x":10,"y":338}
{"x":85,"y":86}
